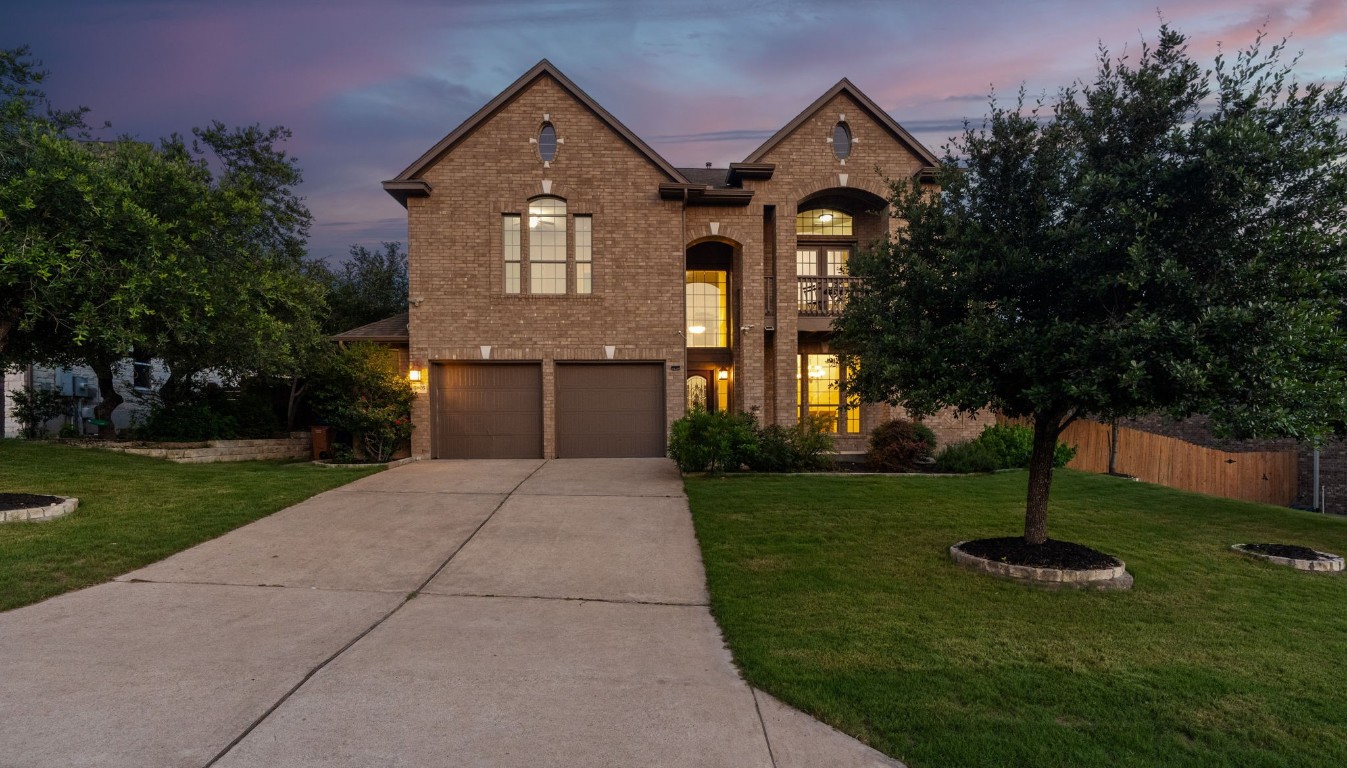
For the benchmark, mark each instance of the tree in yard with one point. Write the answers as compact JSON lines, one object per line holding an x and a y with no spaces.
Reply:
{"x":1167,"y":238}
{"x":192,"y":252}
{"x":369,"y":286}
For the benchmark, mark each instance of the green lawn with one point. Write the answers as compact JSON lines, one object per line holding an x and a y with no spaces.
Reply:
{"x":133,"y":511}
{"x":837,"y":595}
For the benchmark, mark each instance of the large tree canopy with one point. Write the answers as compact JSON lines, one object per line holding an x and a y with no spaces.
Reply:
{"x":192,"y":252}
{"x":1167,"y":238}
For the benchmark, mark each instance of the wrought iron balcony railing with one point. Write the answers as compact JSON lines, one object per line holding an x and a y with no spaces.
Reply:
{"x":823,"y":296}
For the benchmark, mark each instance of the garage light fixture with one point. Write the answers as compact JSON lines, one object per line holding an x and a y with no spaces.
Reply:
{"x":414,"y":374}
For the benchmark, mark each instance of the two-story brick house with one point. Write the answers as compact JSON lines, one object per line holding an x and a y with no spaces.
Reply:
{"x":572,"y":293}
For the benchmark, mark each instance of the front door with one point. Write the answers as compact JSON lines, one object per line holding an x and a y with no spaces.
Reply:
{"x":707,"y":390}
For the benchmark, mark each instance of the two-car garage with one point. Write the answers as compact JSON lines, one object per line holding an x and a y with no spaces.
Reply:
{"x":496,"y":410}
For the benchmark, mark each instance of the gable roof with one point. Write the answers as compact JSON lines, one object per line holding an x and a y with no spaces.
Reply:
{"x":408,"y":182}
{"x":390,"y":329}
{"x":879,"y":115}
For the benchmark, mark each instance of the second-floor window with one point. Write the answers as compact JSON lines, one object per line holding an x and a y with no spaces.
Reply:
{"x":824,"y":242}
{"x":537,"y":256}
{"x":547,"y":245}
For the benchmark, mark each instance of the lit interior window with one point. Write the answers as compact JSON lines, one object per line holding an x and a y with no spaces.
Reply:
{"x":823,"y":221}
{"x":707,"y":293}
{"x":547,"y":245}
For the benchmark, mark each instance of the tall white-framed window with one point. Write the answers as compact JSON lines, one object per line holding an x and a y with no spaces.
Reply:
{"x":584,"y":255}
{"x":510,"y":237}
{"x":547,"y":246}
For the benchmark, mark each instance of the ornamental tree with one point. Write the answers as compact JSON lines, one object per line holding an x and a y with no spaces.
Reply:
{"x":1166,"y":238}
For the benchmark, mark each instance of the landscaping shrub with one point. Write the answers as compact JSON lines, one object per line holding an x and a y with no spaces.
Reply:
{"x":968,"y":456}
{"x":898,"y":445}
{"x":366,"y":394}
{"x":34,"y":407}
{"x":714,"y":442}
{"x":799,"y":447}
{"x":208,"y":412}
{"x":1000,"y":446}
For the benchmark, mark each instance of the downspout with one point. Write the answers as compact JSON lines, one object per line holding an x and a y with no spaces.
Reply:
{"x":682,"y":280}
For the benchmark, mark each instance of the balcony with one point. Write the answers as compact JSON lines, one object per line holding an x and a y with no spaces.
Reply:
{"x":823,"y":296}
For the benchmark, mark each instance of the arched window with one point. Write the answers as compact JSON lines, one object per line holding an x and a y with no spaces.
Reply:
{"x":697,"y":393}
{"x":841,"y":141}
{"x":547,"y":245}
{"x":823,"y":221}
{"x":547,"y":142}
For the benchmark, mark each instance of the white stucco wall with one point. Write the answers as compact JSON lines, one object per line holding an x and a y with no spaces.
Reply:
{"x":125,"y":415}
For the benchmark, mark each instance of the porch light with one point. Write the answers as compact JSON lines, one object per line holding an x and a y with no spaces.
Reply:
{"x":414,"y":374}
{"x":696,"y":329}
{"x":724,"y":374}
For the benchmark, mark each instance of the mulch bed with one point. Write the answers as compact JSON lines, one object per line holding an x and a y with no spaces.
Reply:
{"x":1050,"y":554}
{"x":26,"y":500}
{"x":1285,"y":550}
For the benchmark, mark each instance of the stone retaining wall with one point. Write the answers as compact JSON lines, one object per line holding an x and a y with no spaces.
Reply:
{"x":297,"y":446}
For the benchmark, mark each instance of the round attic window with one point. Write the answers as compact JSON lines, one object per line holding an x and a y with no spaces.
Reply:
{"x":547,"y":142}
{"x":841,"y":141}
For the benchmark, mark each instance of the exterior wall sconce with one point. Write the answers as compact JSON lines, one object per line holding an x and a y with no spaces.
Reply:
{"x":724,"y":374}
{"x":414,"y":375}
{"x":417,"y":378}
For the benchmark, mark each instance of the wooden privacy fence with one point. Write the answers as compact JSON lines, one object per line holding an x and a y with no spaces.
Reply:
{"x":1266,"y":476}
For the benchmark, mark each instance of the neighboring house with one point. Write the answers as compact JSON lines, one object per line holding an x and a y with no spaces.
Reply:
{"x":572,"y":293}
{"x":134,"y":379}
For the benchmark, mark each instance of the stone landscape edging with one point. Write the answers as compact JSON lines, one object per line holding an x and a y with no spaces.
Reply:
{"x":1052,"y":578}
{"x":67,"y":505}
{"x":1333,"y":564}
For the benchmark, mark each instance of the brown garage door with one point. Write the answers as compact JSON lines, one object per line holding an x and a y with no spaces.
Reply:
{"x":487,"y":410}
{"x":610,"y":410}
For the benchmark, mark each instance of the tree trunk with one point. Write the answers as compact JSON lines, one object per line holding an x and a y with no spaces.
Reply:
{"x":1047,"y":427}
{"x":1113,"y":447}
{"x":108,"y":397}
{"x":292,"y":407}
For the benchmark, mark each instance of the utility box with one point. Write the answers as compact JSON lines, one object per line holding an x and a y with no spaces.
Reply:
{"x":322,"y":442}
{"x":76,"y":386}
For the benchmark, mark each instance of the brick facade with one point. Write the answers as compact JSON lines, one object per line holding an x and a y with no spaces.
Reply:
{"x":490,"y":167}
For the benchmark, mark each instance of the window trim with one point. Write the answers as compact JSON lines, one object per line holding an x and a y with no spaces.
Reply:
{"x":851,"y":141}
{"x":577,"y":246}
{"x":843,"y":409}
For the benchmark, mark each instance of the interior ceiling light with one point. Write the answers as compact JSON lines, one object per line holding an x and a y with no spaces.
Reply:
{"x":696,"y":329}
{"x":825,"y":218}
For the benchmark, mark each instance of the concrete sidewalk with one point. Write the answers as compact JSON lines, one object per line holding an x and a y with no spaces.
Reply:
{"x":558,"y":618}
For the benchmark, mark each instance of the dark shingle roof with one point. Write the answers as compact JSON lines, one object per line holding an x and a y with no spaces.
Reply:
{"x":390,"y":329}
{"x":711,"y":177}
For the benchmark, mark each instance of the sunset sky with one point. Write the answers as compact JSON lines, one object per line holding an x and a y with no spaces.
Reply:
{"x":367,"y":87}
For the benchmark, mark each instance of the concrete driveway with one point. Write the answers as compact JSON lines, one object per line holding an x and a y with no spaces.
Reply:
{"x":486,"y":613}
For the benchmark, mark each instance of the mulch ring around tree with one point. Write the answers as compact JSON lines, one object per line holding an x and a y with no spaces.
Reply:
{"x":1049,"y":554}
{"x":27,"y":500}
{"x":20,"y":507}
{"x":1295,"y":556}
{"x":1052,"y":564}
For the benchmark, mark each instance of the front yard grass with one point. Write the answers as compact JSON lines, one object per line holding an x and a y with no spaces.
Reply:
{"x":133,"y":511}
{"x":837,"y":595}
